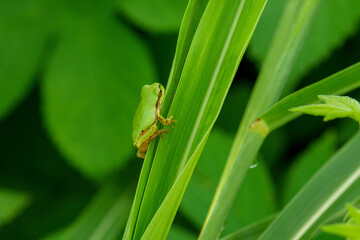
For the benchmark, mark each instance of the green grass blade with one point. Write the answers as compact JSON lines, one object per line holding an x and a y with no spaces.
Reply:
{"x":323,"y":38}
{"x":188,"y":28}
{"x":169,"y":206}
{"x":251,"y":232}
{"x":315,"y":203}
{"x":285,"y":47}
{"x":220,"y":209}
{"x":192,"y":16}
{"x":218,"y":45}
{"x":336,"y":84}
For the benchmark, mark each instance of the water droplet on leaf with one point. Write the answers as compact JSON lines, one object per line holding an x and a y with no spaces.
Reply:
{"x":253,"y":164}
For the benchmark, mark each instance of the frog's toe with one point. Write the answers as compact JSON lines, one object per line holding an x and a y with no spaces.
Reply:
{"x":140,"y":154}
{"x":170,"y":121}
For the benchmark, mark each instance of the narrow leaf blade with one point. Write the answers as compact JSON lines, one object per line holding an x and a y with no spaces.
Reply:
{"x":314,"y":203}
{"x":336,"y":84}
{"x":205,"y":79}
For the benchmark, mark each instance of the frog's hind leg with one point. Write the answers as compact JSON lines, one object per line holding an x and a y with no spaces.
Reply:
{"x":161,"y":132}
{"x":145,"y":144}
{"x":143,"y":148}
{"x":166,"y":121}
{"x":140,"y":154}
{"x":157,"y":133}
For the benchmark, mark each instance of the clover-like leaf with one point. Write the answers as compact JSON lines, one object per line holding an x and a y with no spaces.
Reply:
{"x":91,"y":91}
{"x":332,"y":107}
{"x":11,"y":204}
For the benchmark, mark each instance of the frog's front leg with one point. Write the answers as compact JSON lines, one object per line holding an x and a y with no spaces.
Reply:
{"x":166,"y":121}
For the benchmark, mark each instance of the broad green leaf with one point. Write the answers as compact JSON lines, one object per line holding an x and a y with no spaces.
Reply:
{"x":230,"y":117}
{"x":336,"y":84}
{"x":180,"y":233}
{"x":334,"y":22}
{"x":30,"y":161}
{"x":154,"y":15}
{"x":23,"y":35}
{"x":275,"y":147}
{"x":307,"y":164}
{"x":91,"y":91}
{"x":11,"y":204}
{"x":332,"y":107}
{"x":326,"y":236}
{"x":212,"y":59}
{"x":103,"y":218}
{"x":272,"y":78}
{"x":336,"y":183}
{"x":257,"y":189}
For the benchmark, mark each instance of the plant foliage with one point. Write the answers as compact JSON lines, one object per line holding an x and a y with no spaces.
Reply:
{"x":350,"y":229}
{"x":332,"y":107}
{"x":71,"y":73}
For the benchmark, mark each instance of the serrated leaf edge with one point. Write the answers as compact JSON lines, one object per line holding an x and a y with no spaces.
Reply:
{"x":336,"y":102}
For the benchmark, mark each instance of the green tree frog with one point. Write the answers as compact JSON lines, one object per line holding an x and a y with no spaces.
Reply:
{"x":146,"y":117}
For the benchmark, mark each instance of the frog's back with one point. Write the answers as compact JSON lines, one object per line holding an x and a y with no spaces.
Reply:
{"x":145,"y":114}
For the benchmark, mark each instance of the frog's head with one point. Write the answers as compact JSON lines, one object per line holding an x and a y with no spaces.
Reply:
{"x":153,"y":92}
{"x":161,"y":93}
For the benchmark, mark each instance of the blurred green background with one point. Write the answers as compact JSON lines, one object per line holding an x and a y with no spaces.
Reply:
{"x":70,"y":79}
